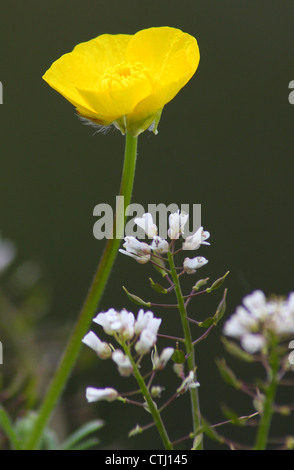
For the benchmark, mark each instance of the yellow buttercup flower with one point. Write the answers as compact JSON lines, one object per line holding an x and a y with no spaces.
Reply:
{"x":126,"y":80}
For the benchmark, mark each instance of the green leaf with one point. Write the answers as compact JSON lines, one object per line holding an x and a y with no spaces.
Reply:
{"x":178,"y":356}
{"x":7,"y":428}
{"x":157,"y":287}
{"x":136,"y":300}
{"x":73,"y":442}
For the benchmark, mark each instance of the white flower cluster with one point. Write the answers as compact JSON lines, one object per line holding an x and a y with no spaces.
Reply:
{"x":123,"y":327}
{"x":142,"y":252}
{"x":259,"y":318}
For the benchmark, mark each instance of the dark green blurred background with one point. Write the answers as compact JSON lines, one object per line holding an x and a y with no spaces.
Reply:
{"x":226,"y":141}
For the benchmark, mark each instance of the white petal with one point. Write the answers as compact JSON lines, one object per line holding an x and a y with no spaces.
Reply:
{"x":146,"y":223}
{"x":92,"y":341}
{"x":253,"y":343}
{"x":191,"y":264}
{"x":97,"y":394}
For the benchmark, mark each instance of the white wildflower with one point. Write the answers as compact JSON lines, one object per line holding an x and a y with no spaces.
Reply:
{"x":251,"y":323}
{"x":107,"y":319}
{"x":147,"y":340}
{"x":146,"y":223}
{"x":125,"y":367}
{"x":97,"y":394}
{"x":188,"y":383}
{"x":142,"y":321}
{"x":101,"y":348}
{"x":177,"y":222}
{"x":114,"y":322}
{"x":159,"y":245}
{"x":192,"y":264}
{"x":159,"y":362}
{"x":140,"y":251}
{"x":194,"y":241}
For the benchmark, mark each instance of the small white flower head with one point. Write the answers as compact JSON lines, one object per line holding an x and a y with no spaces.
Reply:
{"x":194,"y":241}
{"x":124,"y":325}
{"x":140,"y":251}
{"x":125,"y":367}
{"x":147,"y":326}
{"x":114,"y":322}
{"x":146,"y":223}
{"x":7,"y":254}
{"x":188,"y":383}
{"x":106,"y":319}
{"x":159,"y":245}
{"x":97,"y":394}
{"x":143,"y":319}
{"x":259,"y":316}
{"x":159,"y":362}
{"x":153,"y":325}
{"x":192,"y":264}
{"x":177,"y":222}
{"x":147,"y":340}
{"x":101,"y":348}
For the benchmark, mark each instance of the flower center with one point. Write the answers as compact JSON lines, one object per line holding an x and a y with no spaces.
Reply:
{"x":123,"y":75}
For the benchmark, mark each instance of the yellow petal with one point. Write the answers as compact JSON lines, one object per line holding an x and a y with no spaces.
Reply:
{"x":171,"y":56}
{"x":118,"y":90}
{"x":81,"y":68}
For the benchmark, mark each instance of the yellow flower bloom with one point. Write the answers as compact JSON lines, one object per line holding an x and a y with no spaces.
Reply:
{"x":126,"y":80}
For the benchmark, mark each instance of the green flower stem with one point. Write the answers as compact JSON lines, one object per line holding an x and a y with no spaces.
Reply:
{"x":270,"y":393}
{"x":152,"y":407}
{"x":188,"y":343}
{"x":92,"y":300}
